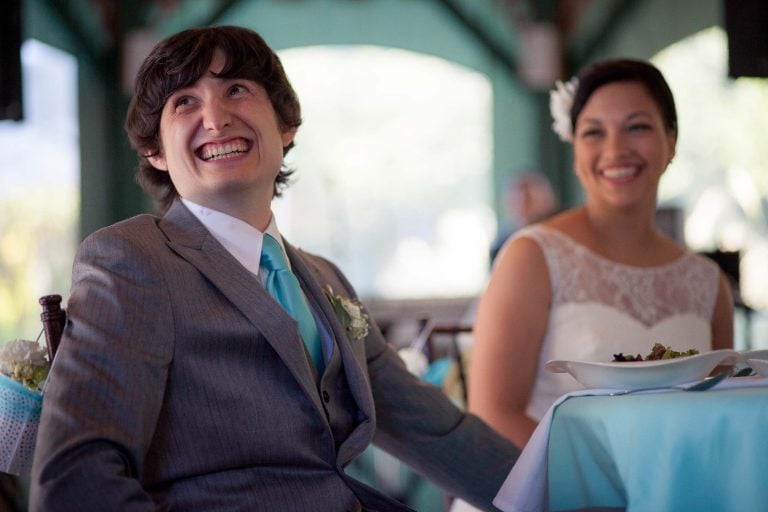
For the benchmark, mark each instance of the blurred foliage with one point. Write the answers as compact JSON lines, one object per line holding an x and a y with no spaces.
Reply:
{"x":37,"y":244}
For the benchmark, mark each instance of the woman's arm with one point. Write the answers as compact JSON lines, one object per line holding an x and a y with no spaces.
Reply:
{"x":511,"y":322}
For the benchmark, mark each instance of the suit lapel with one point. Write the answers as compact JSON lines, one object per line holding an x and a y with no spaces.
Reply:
{"x":314,"y":282}
{"x":193,"y":242}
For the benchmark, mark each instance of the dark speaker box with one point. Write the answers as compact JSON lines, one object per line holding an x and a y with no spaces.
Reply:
{"x":10,"y":61}
{"x":746,"y":23}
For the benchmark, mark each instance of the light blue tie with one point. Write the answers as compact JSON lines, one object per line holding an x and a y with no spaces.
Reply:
{"x":284,"y":287}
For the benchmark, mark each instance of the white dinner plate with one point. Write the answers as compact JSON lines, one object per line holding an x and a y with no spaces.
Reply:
{"x":642,"y":374}
{"x":760,"y":366}
{"x":761,"y":353}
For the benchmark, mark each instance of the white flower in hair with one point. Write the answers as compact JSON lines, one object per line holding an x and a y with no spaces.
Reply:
{"x":560,"y":103}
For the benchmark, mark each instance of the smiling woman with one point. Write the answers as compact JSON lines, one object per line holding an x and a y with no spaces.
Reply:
{"x":599,"y":278}
{"x":622,"y":145}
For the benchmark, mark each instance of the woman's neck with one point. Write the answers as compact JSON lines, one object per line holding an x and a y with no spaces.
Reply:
{"x":625,"y":228}
{"x":625,"y":236}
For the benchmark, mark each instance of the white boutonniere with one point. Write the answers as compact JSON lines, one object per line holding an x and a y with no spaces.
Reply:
{"x":351,"y":314}
{"x":560,"y":103}
{"x":26,"y":362}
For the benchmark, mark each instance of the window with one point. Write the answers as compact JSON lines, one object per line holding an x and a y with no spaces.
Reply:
{"x":38,"y":190}
{"x":719,"y":177}
{"x":393,"y":169}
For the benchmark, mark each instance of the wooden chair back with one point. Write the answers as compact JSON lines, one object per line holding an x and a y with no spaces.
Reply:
{"x":53,"y":318}
{"x":425,"y":340}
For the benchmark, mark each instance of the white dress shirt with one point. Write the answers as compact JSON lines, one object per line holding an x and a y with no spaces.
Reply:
{"x":242,"y":240}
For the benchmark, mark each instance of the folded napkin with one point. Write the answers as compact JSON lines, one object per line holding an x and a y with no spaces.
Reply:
{"x":525,"y":489}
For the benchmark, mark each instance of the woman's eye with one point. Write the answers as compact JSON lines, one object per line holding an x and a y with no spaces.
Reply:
{"x":639,"y":127}
{"x":591,"y":132}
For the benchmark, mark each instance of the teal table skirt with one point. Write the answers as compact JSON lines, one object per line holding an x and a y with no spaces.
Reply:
{"x":675,"y":452}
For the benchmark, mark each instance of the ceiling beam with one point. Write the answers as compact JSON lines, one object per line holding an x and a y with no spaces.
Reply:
{"x":86,"y":46}
{"x":619,"y":11}
{"x":493,"y":47}
{"x":221,"y":9}
{"x":183,"y":14}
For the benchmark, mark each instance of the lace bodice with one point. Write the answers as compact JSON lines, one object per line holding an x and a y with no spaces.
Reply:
{"x":648,"y":294}
{"x":600,"y":307}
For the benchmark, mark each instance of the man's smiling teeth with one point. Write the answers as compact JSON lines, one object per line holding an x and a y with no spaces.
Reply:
{"x":619,"y":173}
{"x":219,"y":151}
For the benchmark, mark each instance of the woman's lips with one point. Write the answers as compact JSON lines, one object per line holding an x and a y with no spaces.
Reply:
{"x":620,"y":173}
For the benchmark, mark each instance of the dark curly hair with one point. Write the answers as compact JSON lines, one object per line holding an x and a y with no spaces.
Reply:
{"x":178,"y":62}
{"x":625,"y":70}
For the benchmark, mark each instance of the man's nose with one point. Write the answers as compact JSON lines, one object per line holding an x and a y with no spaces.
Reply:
{"x":216,"y":114}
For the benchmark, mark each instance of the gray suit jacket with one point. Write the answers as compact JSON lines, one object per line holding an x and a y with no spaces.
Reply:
{"x":180,"y":384}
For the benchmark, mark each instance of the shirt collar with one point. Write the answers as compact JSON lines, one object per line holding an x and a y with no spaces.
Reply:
{"x":239,"y":238}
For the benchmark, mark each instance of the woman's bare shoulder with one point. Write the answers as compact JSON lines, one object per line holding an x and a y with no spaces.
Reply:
{"x":521,"y":260}
{"x":570,"y":222}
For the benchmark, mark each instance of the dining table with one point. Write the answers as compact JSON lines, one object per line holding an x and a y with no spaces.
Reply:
{"x":656,"y":451}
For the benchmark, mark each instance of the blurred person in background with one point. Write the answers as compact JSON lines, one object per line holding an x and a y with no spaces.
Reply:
{"x":528,"y":197}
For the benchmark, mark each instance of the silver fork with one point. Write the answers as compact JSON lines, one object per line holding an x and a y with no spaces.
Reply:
{"x":701,"y":385}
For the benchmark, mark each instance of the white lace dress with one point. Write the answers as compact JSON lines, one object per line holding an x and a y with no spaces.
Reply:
{"x":600,"y":308}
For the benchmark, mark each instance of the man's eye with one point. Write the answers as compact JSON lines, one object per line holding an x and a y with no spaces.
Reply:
{"x":182,"y":101}
{"x":236,"y":89}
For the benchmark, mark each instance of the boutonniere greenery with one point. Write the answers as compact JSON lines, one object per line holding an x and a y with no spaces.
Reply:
{"x":351,"y":314}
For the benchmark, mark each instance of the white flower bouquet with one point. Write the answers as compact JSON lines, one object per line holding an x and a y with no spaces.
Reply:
{"x":23,"y":369}
{"x":25,"y":362}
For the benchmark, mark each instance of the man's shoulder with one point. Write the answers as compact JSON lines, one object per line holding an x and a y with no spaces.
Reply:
{"x":317,"y":262}
{"x":325,"y":271}
{"x":140,"y":229}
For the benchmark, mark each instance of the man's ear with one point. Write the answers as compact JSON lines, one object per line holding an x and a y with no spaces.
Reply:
{"x":158,"y":162}
{"x":287,"y":137}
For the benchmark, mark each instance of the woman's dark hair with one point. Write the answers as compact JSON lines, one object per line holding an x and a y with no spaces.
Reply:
{"x":625,"y":70}
{"x":178,"y":62}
